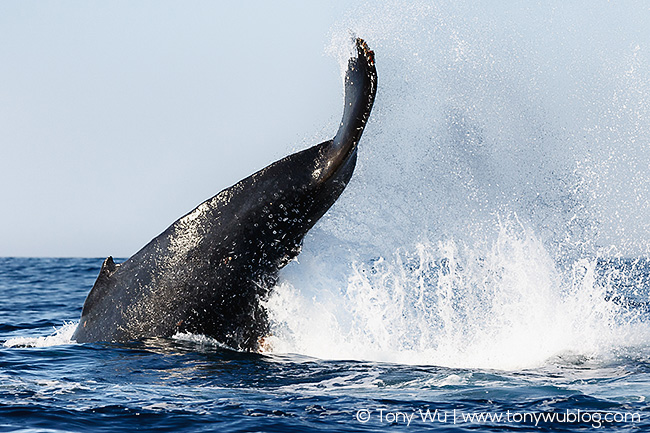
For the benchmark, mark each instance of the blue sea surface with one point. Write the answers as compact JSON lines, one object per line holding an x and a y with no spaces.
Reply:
{"x":50,"y":384}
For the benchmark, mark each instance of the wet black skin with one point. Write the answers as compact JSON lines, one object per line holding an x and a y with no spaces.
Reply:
{"x":208,"y":272}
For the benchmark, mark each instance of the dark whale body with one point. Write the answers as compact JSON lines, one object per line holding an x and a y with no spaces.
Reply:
{"x":208,"y":272}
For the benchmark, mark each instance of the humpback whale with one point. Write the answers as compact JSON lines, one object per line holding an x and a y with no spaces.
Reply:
{"x":209,"y":271}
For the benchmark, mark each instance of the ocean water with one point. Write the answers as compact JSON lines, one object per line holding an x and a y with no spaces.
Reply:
{"x":189,"y":383}
{"x":486,"y":268}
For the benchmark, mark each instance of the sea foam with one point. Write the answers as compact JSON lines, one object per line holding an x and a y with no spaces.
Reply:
{"x":501,"y":163}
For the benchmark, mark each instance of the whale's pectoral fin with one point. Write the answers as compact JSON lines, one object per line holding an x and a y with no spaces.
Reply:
{"x":360,"y":91}
{"x":217,"y":284}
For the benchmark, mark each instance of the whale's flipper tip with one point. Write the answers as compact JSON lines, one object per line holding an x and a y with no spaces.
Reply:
{"x":365,"y":51}
{"x":360,"y":90}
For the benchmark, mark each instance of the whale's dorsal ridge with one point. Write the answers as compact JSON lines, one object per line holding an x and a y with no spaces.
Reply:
{"x":102,"y":284}
{"x":109,"y":266}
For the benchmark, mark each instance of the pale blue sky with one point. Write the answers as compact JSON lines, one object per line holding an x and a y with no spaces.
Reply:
{"x":116,"y":118}
{"x":119,"y":117}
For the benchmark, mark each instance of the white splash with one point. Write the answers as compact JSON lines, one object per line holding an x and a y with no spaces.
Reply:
{"x":200,"y":340}
{"x":62,"y":335}
{"x":481,"y":111}
{"x":505,"y":305}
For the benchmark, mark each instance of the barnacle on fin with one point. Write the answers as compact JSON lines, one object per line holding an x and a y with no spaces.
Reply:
{"x":367,"y":52}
